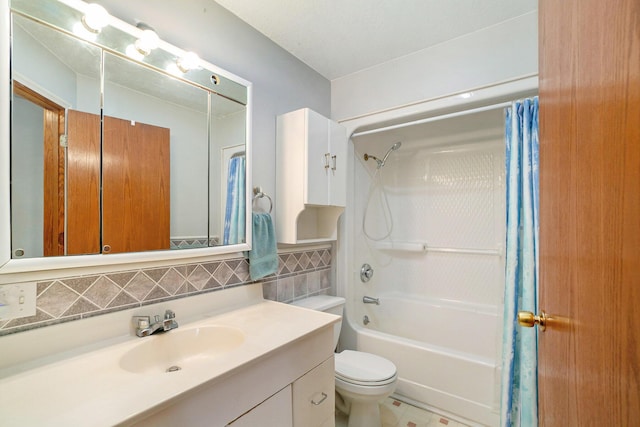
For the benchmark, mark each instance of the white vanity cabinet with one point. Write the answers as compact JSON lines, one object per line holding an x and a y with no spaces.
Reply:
{"x":273,"y":412}
{"x":311,"y":163}
{"x":314,"y":397}
{"x":308,"y":402}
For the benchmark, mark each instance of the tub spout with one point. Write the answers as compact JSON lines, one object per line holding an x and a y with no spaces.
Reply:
{"x":370,"y":300}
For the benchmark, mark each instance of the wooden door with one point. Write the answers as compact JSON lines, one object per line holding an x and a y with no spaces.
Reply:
{"x":136,"y":211}
{"x":589,"y":370}
{"x":54,"y":166}
{"x":83,"y":183}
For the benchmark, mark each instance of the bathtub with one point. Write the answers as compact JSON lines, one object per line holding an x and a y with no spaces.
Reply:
{"x":447,"y":358}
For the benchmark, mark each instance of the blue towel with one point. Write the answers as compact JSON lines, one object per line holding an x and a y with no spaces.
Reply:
{"x":263,"y":257}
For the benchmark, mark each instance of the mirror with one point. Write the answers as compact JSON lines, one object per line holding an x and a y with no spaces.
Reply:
{"x":111,"y":154}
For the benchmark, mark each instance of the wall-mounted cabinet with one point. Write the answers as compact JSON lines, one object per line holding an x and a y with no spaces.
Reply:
{"x":311,"y":156}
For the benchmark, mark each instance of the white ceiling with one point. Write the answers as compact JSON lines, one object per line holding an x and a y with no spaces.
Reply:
{"x":340,"y":37}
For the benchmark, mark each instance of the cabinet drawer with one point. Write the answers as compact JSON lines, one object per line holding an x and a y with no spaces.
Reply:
{"x":314,"y":396}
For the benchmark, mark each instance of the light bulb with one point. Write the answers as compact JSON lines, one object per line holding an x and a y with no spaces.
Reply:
{"x":80,"y":30}
{"x":188,"y":61}
{"x":173,"y":69}
{"x":134,"y":53}
{"x":95,"y":18}
{"x":148,"y":41}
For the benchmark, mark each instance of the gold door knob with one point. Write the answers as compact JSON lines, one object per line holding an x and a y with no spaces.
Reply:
{"x":529,"y":320}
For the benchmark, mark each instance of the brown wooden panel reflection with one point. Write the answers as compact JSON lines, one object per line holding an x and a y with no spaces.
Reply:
{"x":136,"y":186}
{"x":83,"y":183}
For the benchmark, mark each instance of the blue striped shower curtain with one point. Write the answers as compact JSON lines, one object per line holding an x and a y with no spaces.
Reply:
{"x":519,"y":396}
{"x":234,"y":218}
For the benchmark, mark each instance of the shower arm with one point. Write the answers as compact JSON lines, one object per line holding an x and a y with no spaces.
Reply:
{"x":369,"y":156}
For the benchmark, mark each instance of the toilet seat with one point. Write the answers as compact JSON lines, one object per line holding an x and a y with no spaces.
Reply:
{"x":365,"y":369}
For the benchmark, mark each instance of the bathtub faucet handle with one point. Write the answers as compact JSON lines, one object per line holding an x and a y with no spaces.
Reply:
{"x":370,"y":300}
{"x":366,"y":273}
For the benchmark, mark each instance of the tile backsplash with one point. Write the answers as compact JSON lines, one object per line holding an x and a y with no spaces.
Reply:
{"x":299,"y":274}
{"x":193,"y":242}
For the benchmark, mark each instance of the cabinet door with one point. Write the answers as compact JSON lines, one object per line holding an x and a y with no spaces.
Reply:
{"x":338,"y":170}
{"x":273,"y":412}
{"x":314,"y":397}
{"x":83,"y":183}
{"x":317,"y":160}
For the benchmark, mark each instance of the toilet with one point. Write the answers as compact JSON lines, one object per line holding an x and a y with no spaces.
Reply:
{"x":363,"y":380}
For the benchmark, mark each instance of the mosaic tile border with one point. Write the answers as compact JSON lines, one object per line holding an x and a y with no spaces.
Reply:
{"x":193,"y":242}
{"x":79,"y":297}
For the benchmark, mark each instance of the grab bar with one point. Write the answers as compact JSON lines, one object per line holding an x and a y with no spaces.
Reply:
{"x":370,"y":300}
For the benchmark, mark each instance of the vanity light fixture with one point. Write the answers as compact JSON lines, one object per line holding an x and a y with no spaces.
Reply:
{"x":95,"y":18}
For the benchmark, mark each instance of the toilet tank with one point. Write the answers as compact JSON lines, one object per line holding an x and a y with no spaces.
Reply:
{"x":328,"y":304}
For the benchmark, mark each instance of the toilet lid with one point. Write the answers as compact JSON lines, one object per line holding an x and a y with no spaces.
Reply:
{"x":360,"y":367}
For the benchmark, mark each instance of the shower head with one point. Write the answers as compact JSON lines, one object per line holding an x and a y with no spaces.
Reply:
{"x":394,"y":147}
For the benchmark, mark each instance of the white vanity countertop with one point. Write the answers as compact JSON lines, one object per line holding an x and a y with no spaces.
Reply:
{"x":92,"y":389}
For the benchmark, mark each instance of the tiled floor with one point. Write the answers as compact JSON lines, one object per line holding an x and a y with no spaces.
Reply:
{"x":399,"y":414}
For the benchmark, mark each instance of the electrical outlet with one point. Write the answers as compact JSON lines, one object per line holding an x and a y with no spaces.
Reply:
{"x":17,"y":300}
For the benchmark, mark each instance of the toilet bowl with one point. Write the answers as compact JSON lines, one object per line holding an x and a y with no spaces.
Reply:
{"x":363,"y":380}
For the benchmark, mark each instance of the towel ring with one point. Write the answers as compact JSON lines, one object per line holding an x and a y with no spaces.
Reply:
{"x":258,"y":194}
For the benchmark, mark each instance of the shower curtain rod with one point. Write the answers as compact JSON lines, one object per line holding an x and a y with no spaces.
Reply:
{"x":433,"y":119}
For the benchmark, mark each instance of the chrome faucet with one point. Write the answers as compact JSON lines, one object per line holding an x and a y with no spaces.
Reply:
{"x":144,"y":327}
{"x":370,"y":300}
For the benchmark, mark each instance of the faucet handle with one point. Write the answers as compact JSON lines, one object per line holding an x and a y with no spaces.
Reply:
{"x":169,"y":314}
{"x":141,"y":325}
{"x":141,"y":322}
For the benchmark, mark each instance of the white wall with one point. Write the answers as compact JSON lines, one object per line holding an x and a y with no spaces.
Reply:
{"x":487,"y":56}
{"x":35,"y":65}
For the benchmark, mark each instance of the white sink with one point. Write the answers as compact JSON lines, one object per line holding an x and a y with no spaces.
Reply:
{"x":180,"y":349}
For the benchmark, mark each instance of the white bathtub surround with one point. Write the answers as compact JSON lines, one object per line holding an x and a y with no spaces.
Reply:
{"x":92,"y":388}
{"x":439,"y":276}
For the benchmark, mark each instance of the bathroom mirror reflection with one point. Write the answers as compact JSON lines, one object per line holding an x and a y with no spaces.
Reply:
{"x":111,"y":154}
